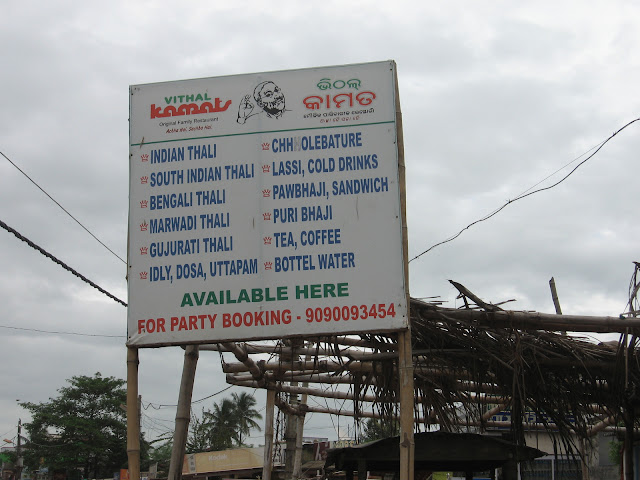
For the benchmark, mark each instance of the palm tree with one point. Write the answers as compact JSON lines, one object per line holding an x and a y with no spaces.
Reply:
{"x":245,"y":416}
{"x":221,"y":425}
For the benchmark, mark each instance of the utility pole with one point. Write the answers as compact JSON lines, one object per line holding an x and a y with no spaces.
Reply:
{"x":19,"y":461}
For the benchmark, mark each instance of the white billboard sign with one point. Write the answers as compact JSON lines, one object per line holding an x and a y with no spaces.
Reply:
{"x":265,"y":206}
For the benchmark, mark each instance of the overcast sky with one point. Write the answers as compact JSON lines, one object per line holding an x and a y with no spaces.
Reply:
{"x":496,"y":97}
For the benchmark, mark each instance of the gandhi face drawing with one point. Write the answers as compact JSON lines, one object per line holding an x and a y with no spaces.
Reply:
{"x":270,"y":98}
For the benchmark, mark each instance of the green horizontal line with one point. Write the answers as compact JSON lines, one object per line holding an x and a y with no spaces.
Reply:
{"x":260,"y":133}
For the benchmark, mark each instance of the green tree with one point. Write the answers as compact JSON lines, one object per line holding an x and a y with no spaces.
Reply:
{"x":198,"y":439}
{"x":8,"y":457}
{"x":245,"y":416}
{"x":375,"y":429}
{"x":160,"y":455}
{"x":82,"y":431}
{"x":226,"y":425}
{"x":221,"y":425}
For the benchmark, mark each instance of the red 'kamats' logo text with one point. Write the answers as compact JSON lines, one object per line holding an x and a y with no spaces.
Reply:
{"x":179,"y":105}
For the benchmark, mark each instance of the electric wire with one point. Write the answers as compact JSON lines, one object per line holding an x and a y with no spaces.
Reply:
{"x":61,"y":333}
{"x":63,"y":209}
{"x":6,"y":435}
{"x":60,"y":262}
{"x":159,"y":406}
{"x":527,"y":192}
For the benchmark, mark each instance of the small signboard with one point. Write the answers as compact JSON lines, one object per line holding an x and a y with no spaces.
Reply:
{"x":265,"y":206}
{"x":224,"y":461}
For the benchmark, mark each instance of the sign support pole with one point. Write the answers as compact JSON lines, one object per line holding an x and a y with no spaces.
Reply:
{"x":405,"y":354}
{"x":268,"y":435}
{"x":407,"y":443}
{"x":183,"y":412}
{"x":133,"y":423}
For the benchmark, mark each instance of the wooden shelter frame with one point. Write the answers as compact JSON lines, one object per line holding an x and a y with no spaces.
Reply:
{"x":468,"y":364}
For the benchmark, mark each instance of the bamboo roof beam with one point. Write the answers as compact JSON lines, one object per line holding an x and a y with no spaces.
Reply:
{"x":347,"y":352}
{"x":241,"y":354}
{"x":598,"y":427}
{"x":325,"y":366}
{"x":310,"y":366}
{"x":347,"y":341}
{"x":246,"y":381}
{"x":494,"y":411}
{"x":301,"y":377}
{"x":531,"y":320}
{"x":278,"y":387}
{"x":461,"y":422}
{"x":345,"y":378}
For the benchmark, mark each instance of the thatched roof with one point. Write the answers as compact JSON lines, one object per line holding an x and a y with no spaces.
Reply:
{"x":468,"y":364}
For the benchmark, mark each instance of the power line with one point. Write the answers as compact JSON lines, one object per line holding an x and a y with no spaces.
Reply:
{"x":5,"y":435}
{"x":61,"y":333}
{"x":525,"y":194}
{"x":157,"y":407}
{"x":63,"y":209}
{"x":60,"y":262}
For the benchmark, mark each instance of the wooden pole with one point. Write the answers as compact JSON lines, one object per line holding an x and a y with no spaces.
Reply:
{"x":290,"y":432}
{"x":405,"y":357}
{"x":531,"y":320}
{"x":183,"y":412}
{"x":407,"y":443}
{"x":629,"y":419}
{"x":554,"y":296}
{"x":267,"y":466}
{"x":133,"y":423}
{"x":19,"y":460}
{"x":297,"y":459}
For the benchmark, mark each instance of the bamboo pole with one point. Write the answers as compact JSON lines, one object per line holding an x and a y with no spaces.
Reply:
{"x":343,"y":341}
{"x":241,"y":354}
{"x":183,"y":412}
{"x":495,"y":410}
{"x":267,"y":465}
{"x":407,"y":443}
{"x":298,"y":376}
{"x":531,"y":320}
{"x":320,"y":366}
{"x":253,"y":348}
{"x":290,"y":434}
{"x":348,"y":378}
{"x":405,"y":357}
{"x":629,"y":418}
{"x":316,"y":392}
{"x":554,"y":296}
{"x":287,"y":369}
{"x":432,"y":419}
{"x":342,"y":395}
{"x":297,"y":459}
{"x":133,"y":423}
